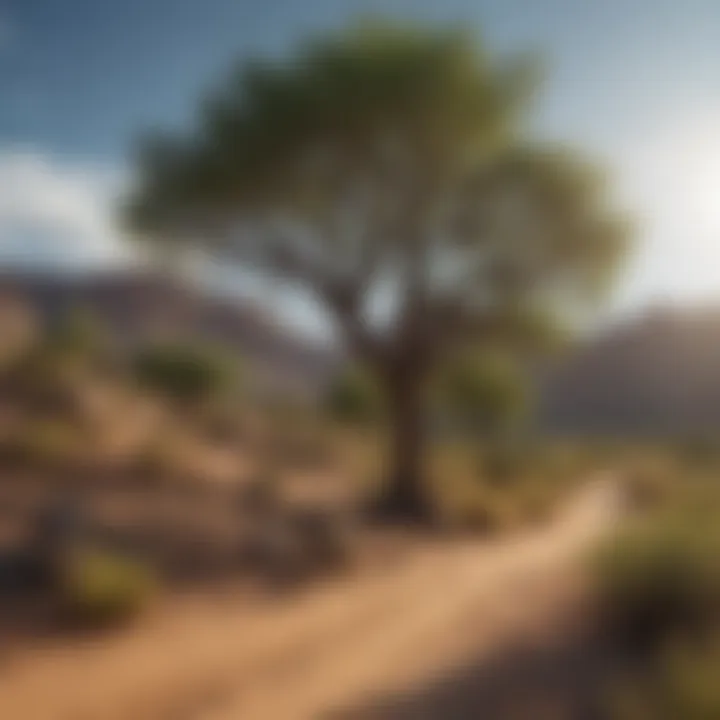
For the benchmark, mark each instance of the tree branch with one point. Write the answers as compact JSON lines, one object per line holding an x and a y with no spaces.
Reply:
{"x":342,"y":294}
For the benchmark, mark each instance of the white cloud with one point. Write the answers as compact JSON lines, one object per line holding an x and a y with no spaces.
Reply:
{"x":55,"y":212}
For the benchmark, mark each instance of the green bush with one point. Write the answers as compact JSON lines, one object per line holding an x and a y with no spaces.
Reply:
{"x":681,"y":683}
{"x":659,"y":596}
{"x":103,"y":588}
{"x":660,"y":578}
{"x":500,"y":464}
{"x":689,"y":676}
{"x":354,"y":398}
{"x":484,"y":393}
{"x":700,"y":453}
{"x":185,"y":373}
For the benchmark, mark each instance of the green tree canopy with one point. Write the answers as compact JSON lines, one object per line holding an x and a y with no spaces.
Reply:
{"x":393,"y":163}
{"x":485,"y":392}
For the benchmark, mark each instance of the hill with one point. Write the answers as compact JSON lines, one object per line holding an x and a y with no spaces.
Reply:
{"x":655,"y":374}
{"x":140,"y":307}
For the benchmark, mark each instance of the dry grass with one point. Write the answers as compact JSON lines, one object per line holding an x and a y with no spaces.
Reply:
{"x":658,"y":585}
{"x":493,"y":488}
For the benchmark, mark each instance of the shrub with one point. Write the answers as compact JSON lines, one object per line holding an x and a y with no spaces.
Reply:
{"x":700,"y":452}
{"x":102,"y":588}
{"x":185,"y":373}
{"x":484,"y":514}
{"x":500,"y":464}
{"x":483,"y":393}
{"x":354,"y":398}
{"x":501,"y":486}
{"x":47,"y":444}
{"x":537,"y":500}
{"x":659,"y":594}
{"x":468,"y":507}
{"x":325,"y":537}
{"x":690,"y":678}
{"x":660,"y":578}
{"x":648,"y":483}
{"x":680,"y":683}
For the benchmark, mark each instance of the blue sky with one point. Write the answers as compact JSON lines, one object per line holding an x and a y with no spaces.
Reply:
{"x":634,"y":82}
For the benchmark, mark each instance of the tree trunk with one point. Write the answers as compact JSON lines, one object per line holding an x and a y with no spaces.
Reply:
{"x":405,"y":494}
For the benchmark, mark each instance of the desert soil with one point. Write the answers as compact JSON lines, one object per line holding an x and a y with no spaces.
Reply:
{"x":334,"y":645}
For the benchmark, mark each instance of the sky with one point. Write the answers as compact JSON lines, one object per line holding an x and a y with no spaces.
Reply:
{"x":634,"y":83}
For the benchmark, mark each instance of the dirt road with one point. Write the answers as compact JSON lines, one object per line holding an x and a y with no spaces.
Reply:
{"x":336,"y":644}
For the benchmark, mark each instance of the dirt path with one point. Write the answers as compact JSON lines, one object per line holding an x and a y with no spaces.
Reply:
{"x":291,"y":659}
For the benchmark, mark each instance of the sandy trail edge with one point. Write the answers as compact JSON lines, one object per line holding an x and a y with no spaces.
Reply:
{"x":335,"y":645}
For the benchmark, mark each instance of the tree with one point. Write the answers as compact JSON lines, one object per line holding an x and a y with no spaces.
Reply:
{"x":354,"y":398}
{"x":389,"y":165}
{"x":487,"y":394}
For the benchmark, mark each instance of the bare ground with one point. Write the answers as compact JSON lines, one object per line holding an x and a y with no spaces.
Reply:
{"x":334,"y":647}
